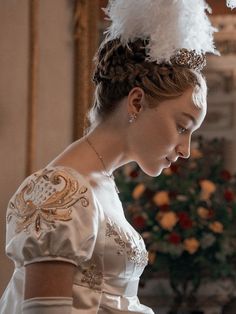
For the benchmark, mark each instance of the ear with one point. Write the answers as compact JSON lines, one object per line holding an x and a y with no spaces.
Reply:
{"x":136,"y":100}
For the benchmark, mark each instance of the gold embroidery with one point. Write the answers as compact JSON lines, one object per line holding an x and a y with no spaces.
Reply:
{"x":92,"y":276}
{"x":45,"y":199}
{"x":136,"y":255}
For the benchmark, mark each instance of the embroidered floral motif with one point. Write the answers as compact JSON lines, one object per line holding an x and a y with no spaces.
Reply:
{"x":92,"y":276}
{"x":46,"y":198}
{"x":134,"y":254}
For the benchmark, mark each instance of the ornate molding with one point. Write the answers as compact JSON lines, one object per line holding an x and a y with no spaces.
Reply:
{"x":226,"y":35}
{"x":86,"y":34}
{"x":32,"y":85}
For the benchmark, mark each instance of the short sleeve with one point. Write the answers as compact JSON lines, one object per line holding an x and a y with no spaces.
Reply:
{"x":52,"y":216}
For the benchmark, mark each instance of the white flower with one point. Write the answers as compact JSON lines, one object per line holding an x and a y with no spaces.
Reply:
{"x":207,"y":240}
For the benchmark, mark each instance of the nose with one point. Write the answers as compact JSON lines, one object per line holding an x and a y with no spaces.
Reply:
{"x":183,"y":149}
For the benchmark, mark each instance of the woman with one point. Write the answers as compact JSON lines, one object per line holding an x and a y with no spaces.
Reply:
{"x":73,"y":249}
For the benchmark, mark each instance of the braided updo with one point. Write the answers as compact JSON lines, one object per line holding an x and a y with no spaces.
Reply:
{"x":120,"y":68}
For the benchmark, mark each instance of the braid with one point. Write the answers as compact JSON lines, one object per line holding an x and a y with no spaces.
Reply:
{"x":120,"y":68}
{"x":116,"y":63}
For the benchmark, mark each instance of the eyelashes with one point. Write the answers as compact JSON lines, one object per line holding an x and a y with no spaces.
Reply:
{"x":181,"y":129}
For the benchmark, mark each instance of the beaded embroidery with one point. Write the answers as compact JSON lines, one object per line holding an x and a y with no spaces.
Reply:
{"x":92,"y":276}
{"x":136,"y":255}
{"x":190,"y":59}
{"x":45,"y":199}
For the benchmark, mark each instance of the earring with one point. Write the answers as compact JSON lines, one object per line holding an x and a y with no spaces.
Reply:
{"x":132,"y":117}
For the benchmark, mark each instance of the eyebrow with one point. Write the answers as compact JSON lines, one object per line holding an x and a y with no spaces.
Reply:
{"x":190,"y":117}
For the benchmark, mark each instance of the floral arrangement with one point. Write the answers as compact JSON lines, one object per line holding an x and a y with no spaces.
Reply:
{"x":185,"y":215}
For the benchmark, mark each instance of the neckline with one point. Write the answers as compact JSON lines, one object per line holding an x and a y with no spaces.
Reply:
{"x":73,"y":170}
{"x":87,"y":178}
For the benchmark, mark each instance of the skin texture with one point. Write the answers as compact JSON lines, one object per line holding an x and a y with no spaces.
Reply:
{"x":157,"y":134}
{"x":49,"y":279}
{"x":164,"y":131}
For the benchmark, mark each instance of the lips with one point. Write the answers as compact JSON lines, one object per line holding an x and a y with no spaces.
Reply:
{"x":169,"y":162}
{"x":172,"y":160}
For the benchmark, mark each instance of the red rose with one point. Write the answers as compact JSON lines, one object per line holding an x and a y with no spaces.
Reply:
{"x":211,"y":213}
{"x":134,"y":174}
{"x":174,"y":168}
{"x":186,"y":224}
{"x":164,"y":208}
{"x":225,"y":175}
{"x":229,"y":195}
{"x":172,"y":194}
{"x":139,"y":222}
{"x":183,"y":216}
{"x":184,"y":220}
{"x":174,"y":238}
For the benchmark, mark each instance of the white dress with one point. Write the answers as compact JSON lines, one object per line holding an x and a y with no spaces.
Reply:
{"x":57,"y":215}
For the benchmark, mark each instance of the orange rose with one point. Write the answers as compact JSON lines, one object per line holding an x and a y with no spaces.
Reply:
{"x":151,"y":257}
{"x":196,"y":153}
{"x":161,"y":198}
{"x":167,"y":220}
{"x":191,"y":245}
{"x":216,"y":227}
{"x":203,"y":212}
{"x":138,"y":191}
{"x":167,"y":172}
{"x":208,"y":187}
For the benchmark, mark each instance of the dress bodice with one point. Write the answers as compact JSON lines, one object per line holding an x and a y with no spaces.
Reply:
{"x":57,"y":215}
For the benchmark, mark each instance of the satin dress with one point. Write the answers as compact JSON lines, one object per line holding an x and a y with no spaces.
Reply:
{"x":58,"y":215}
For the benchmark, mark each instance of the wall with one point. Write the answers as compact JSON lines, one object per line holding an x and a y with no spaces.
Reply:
{"x":13,"y":97}
{"x":221,"y":79}
{"x":55,"y":93}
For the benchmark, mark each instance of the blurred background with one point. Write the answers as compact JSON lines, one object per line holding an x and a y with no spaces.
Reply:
{"x":46,"y":51}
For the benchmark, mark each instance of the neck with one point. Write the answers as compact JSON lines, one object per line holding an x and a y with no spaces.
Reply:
{"x":111,"y":146}
{"x":111,"y":139}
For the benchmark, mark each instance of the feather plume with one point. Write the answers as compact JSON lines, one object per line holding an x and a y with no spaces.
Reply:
{"x":168,"y":24}
{"x":231,"y":4}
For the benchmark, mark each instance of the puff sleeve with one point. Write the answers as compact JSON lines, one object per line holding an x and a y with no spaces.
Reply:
{"x":52,"y":216}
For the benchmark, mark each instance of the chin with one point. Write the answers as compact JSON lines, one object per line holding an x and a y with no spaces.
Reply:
{"x":155,"y":172}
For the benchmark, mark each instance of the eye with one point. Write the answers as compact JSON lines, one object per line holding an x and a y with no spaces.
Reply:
{"x":181,"y":129}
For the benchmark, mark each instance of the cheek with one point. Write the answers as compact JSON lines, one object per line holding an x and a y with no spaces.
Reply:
{"x":167,"y":137}
{"x":156,"y":136}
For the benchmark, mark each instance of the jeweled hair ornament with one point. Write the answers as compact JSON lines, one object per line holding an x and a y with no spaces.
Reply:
{"x":178,"y":31}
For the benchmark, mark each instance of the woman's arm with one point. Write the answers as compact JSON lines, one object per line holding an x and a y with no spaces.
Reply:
{"x":48,"y":288}
{"x":46,"y":279}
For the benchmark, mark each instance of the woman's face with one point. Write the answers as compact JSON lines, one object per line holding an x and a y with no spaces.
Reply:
{"x":162,"y":134}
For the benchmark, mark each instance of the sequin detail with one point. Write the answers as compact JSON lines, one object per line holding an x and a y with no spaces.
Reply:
{"x":92,"y":277}
{"x":47,"y":197}
{"x":190,"y":59}
{"x":138,"y":256}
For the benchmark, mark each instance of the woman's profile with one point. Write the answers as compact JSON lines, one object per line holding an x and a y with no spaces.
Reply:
{"x":73,"y":249}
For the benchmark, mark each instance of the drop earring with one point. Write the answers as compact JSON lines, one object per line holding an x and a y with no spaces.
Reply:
{"x":132,"y":117}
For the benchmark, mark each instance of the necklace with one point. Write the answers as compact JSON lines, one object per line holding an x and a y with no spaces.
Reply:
{"x":110,"y":176}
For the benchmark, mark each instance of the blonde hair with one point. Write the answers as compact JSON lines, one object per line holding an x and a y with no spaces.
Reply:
{"x":120,"y":68}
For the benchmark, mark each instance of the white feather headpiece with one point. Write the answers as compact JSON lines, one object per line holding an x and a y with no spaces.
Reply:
{"x":169,"y":26}
{"x":231,"y":4}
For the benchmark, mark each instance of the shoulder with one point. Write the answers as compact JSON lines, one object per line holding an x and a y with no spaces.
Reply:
{"x":49,"y":195}
{"x":55,"y":177}
{"x":52,"y":216}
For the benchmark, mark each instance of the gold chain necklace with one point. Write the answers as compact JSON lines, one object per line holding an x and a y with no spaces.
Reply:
{"x":110,"y":176}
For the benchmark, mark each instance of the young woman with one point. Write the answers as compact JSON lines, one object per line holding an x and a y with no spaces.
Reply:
{"x":73,"y":249}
